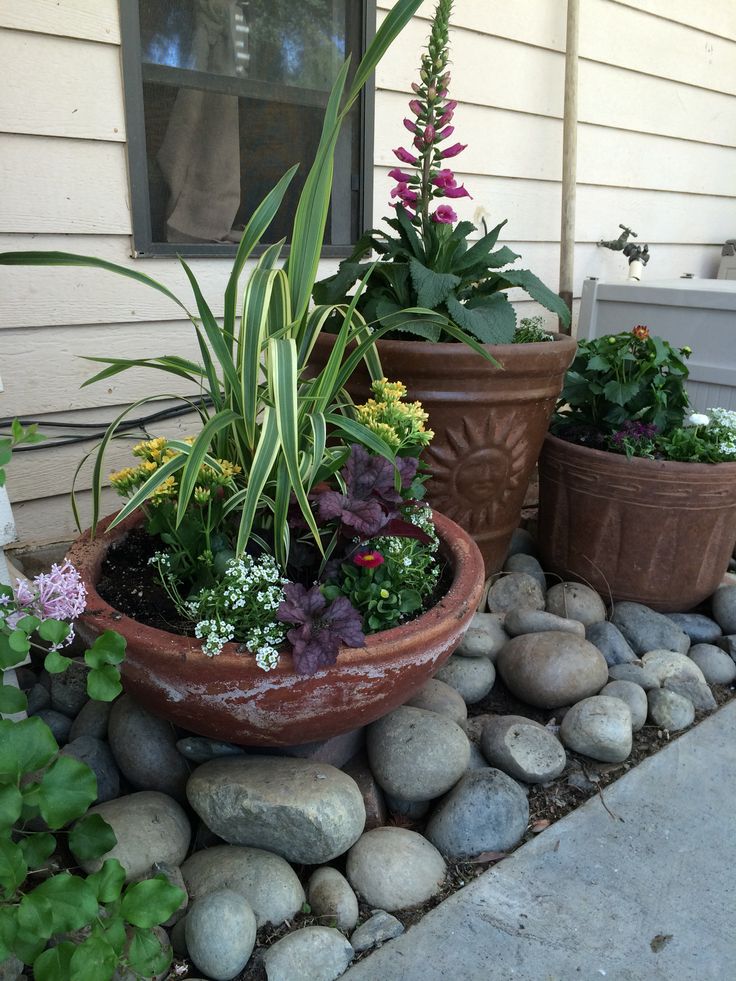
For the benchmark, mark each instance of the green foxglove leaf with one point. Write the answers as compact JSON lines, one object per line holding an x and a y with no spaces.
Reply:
{"x":491,"y":318}
{"x":533,"y":285}
{"x":24,"y":747}
{"x":150,"y":902}
{"x":91,"y":837}
{"x":67,"y":789}
{"x":432,"y":288}
{"x":108,"y":882}
{"x":54,"y":964}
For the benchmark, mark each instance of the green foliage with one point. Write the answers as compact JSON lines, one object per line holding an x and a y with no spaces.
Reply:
{"x":18,"y":436}
{"x":630,"y":376}
{"x":440,"y":275}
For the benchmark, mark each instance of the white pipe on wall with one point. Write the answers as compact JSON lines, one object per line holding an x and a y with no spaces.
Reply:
{"x":569,"y":153}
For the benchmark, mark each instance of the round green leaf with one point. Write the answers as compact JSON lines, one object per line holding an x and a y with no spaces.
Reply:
{"x":103,"y":683}
{"x":12,"y":700}
{"x":28,"y":946}
{"x":67,"y":789}
{"x":11,"y":804}
{"x":37,"y":848}
{"x":54,"y":964}
{"x":28,"y":624}
{"x":91,"y":837}
{"x":113,"y":931}
{"x":73,"y":902}
{"x":93,"y":960}
{"x":13,"y":868}
{"x":8,"y":656}
{"x":150,"y":902}
{"x":108,"y":882}
{"x":25,"y":746}
{"x":146,"y":955}
{"x":54,"y":631}
{"x":56,"y":663}
{"x":35,"y":916}
{"x":108,"y":648}
{"x":8,"y":930}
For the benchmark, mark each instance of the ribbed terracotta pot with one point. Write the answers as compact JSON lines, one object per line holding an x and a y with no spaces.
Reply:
{"x":228,"y":697}
{"x":489,"y":424}
{"x":648,"y":531}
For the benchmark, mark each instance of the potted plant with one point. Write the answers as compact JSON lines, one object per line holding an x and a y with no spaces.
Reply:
{"x":291,"y":517}
{"x":431,"y":289}
{"x":637,"y":498}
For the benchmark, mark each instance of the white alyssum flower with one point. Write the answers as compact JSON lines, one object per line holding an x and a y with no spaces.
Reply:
{"x":698,"y":419}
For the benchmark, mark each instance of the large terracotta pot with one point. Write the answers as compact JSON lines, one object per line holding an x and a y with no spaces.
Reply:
{"x":649,"y":531}
{"x":489,"y":424}
{"x":229,"y":697}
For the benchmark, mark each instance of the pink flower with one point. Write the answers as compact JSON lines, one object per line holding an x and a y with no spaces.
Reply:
{"x":368,"y":560}
{"x":398,"y":175}
{"x":446,"y":117}
{"x":397,"y":191}
{"x":451,"y":105}
{"x":429,"y":134}
{"x":410,"y":125}
{"x":457,"y":192}
{"x":418,"y":142}
{"x":452,"y":151}
{"x":444,"y":179}
{"x":404,"y":156}
{"x":444,"y":215}
{"x":446,"y":133}
{"x":57,"y":595}
{"x":408,"y":196}
{"x":416,"y":88}
{"x":416,"y":107}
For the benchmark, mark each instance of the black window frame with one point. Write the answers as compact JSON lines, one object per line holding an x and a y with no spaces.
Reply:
{"x":138,"y":182}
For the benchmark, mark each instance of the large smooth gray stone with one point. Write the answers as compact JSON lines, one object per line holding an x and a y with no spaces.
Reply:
{"x":521,"y":562}
{"x":220,"y":933}
{"x":517,"y":590}
{"x":723,"y":603}
{"x":376,"y":930}
{"x":646,"y":630}
{"x":634,"y":696}
{"x":599,"y":727}
{"x":392,"y":868}
{"x":331,"y":898}
{"x":670,"y":710}
{"x":523,"y":749}
{"x":552,"y":669}
{"x":69,"y":689}
{"x":436,"y":696}
{"x":576,"y":601}
{"x":484,"y":637}
{"x":92,"y":720}
{"x":610,"y":642}
{"x":472,"y":677}
{"x":717,"y":667}
{"x":314,"y":953}
{"x":700,"y":629}
{"x":144,"y":748}
{"x":537,"y":621}
{"x":308,"y":812}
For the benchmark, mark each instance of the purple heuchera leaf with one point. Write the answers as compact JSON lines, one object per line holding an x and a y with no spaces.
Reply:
{"x":366,"y":517}
{"x":320,"y":629}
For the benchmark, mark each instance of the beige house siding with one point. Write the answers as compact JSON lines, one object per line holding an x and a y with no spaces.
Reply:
{"x":657,"y":150}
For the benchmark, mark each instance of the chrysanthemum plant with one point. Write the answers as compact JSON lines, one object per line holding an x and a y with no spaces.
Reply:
{"x":431,"y":263}
{"x":282,"y":458}
{"x":625,"y":393}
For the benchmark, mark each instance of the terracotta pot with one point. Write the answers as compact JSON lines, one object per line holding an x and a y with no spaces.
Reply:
{"x":489,"y":424}
{"x":648,"y":531}
{"x":229,"y":697}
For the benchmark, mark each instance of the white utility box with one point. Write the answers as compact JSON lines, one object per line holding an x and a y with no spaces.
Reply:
{"x":698,"y":313}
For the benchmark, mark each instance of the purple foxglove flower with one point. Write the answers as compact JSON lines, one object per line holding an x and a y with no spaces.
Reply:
{"x":444,"y":179}
{"x":452,"y":151}
{"x":446,"y":117}
{"x":397,"y":192}
{"x":444,"y":215}
{"x":431,"y":93}
{"x":416,"y":88}
{"x":408,"y":196}
{"x":443,"y":93}
{"x":404,"y":156}
{"x":445,"y":133}
{"x":430,"y":134}
{"x":416,"y":107}
{"x":456,"y":192}
{"x":410,"y":125}
{"x":450,"y":105}
{"x":398,"y":175}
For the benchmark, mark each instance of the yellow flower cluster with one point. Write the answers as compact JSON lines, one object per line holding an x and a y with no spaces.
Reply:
{"x":153,"y":453}
{"x":400,"y":424}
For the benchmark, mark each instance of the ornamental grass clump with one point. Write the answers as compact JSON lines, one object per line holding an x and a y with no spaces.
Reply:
{"x":432,"y":281}
{"x":625,"y":393}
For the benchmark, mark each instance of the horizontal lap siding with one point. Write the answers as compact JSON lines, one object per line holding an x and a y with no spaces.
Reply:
{"x":657,"y":151}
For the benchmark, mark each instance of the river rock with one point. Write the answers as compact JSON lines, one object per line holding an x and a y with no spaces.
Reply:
{"x":695,"y":691}
{"x":436,"y":696}
{"x":59,"y":724}
{"x":268,"y":883}
{"x":199,"y":749}
{"x":220,"y":932}
{"x":634,"y":696}
{"x":646,"y":630}
{"x":666,"y":664}
{"x":537,"y":621}
{"x":392,"y":868}
{"x":69,"y":689}
{"x":477,"y":759}
{"x":96,"y":754}
{"x":522,"y":542}
{"x":670,"y":710}
{"x":144,"y":748}
{"x":723,"y":603}
{"x":413,"y":810}
{"x":717,"y":667}
{"x":415,"y":754}
{"x":700,"y":629}
{"x":521,"y":562}
{"x":92,"y":720}
{"x":484,"y":637}
{"x":486,"y":811}
{"x":728,"y":644}
{"x":472,"y":677}
{"x":552,"y":669}
{"x":314,"y":953}
{"x":38,"y":699}
{"x":598,"y":727}
{"x":329,"y":894}
{"x":373,"y":797}
{"x":518,"y":590}
{"x":376,"y":930}
{"x":610,"y":642}
{"x":640,"y":675}
{"x":308,"y":812}
{"x":149,"y":827}
{"x":523,"y":749}
{"x":576,"y":601}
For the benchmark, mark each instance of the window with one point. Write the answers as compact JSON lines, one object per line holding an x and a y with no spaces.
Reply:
{"x":222,"y":97}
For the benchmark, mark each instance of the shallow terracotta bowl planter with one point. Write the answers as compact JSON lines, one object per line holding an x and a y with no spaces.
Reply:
{"x":228,"y":697}
{"x":647,"y":531}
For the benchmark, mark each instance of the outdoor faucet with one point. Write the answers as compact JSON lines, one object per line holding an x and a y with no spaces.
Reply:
{"x":638,"y":255}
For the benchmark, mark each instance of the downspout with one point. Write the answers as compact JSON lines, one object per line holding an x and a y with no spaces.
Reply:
{"x":569,"y":155}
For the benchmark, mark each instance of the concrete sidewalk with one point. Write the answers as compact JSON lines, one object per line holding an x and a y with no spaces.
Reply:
{"x":649,"y":895}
